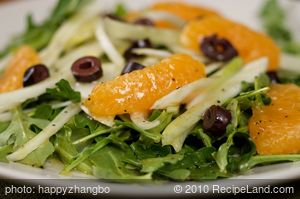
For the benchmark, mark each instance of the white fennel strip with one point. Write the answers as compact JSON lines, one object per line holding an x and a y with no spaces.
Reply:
{"x":61,"y":119}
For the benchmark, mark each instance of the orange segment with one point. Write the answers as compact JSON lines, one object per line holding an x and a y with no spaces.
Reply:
{"x":276,"y":128}
{"x":12,"y":78}
{"x":185,"y":11}
{"x":164,"y":24}
{"x":138,"y":90}
{"x":250,"y":44}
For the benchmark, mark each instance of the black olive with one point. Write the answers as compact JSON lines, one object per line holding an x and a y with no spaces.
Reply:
{"x":144,"y":22}
{"x":218,"y":49}
{"x":273,"y":77}
{"x":216,"y":119}
{"x":35,"y":74}
{"x":87,"y":69}
{"x":142,"y":43}
{"x":132,"y":66}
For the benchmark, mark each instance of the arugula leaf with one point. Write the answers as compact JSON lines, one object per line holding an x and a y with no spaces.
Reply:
{"x":268,"y":159}
{"x":39,"y":35}
{"x":144,"y":151}
{"x":3,"y":126}
{"x":4,"y":151}
{"x":63,"y":91}
{"x":240,"y":153}
{"x":152,"y":164}
{"x":204,"y":137}
{"x":93,"y":148}
{"x":207,"y":172}
{"x":177,"y":174}
{"x":18,"y":133}
{"x":221,"y":156}
{"x":155,"y":133}
{"x":86,"y":153}
{"x":82,"y":120}
{"x":273,"y":17}
{"x":155,"y":137}
{"x":68,"y":151}
{"x":46,"y":112}
{"x":109,"y":165}
{"x":193,"y":163}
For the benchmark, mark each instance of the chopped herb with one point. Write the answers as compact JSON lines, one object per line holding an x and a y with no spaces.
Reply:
{"x":63,"y":91}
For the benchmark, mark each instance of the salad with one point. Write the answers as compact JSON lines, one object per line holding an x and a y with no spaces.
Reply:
{"x":171,"y":92}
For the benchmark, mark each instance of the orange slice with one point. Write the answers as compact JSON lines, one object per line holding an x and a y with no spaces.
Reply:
{"x":185,"y":11}
{"x":251,"y":45}
{"x":276,"y":128}
{"x":138,"y":90}
{"x":12,"y":78}
{"x":164,"y":24}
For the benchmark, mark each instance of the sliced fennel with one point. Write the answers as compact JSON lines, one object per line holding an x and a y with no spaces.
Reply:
{"x":177,"y":131}
{"x":149,"y":61}
{"x":140,"y":120}
{"x":160,"y":15}
{"x":108,"y":46}
{"x":7,"y":116}
{"x":11,"y":99}
{"x":290,"y":63}
{"x":90,"y":49}
{"x":120,"y":30}
{"x":179,"y":96}
{"x":221,"y":76}
{"x":107,"y":120}
{"x":54,"y":126}
{"x":85,"y":33}
{"x":57,"y":45}
{"x":210,"y":68}
{"x":197,"y":56}
{"x":187,"y":92}
{"x":152,"y":52}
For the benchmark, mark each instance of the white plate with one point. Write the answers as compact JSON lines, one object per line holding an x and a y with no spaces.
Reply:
{"x":12,"y":18}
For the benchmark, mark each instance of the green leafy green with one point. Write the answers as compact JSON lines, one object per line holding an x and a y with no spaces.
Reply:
{"x":240,"y":153}
{"x":39,"y":35}
{"x":154,"y":133}
{"x":18,"y":133}
{"x":152,"y":164}
{"x":46,"y":112}
{"x":156,"y":137}
{"x":268,"y":159}
{"x":109,"y":165}
{"x":4,"y":151}
{"x":289,"y":77}
{"x":204,"y":137}
{"x":273,"y":17}
{"x":120,"y":10}
{"x":198,"y":164}
{"x":146,"y":150}
{"x":63,"y":91}
{"x":68,"y":151}
{"x":3,"y":126}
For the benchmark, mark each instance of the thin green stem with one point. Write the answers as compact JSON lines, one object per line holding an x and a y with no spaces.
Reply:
{"x":95,"y":134}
